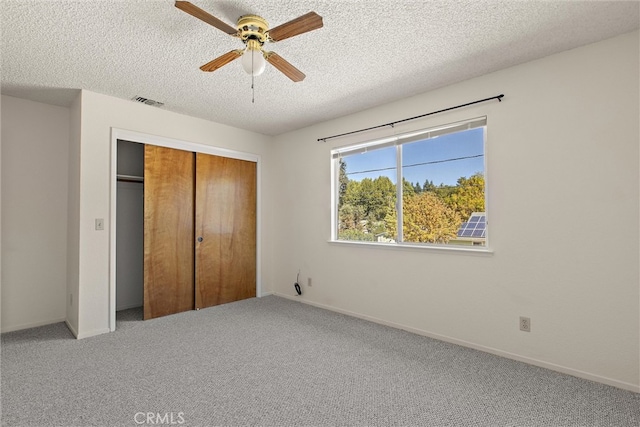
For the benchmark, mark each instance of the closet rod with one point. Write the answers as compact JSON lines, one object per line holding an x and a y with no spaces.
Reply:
{"x":129,"y":178}
{"x":498,"y":97}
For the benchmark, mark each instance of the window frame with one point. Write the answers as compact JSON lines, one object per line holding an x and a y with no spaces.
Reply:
{"x":398,"y":141}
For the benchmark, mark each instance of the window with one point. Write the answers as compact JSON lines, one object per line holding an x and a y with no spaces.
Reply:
{"x":421,"y":188}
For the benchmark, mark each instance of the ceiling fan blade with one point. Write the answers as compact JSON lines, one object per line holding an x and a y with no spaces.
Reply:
{"x":309,"y":22}
{"x":205,"y":16}
{"x":221,"y":60}
{"x":284,"y":67}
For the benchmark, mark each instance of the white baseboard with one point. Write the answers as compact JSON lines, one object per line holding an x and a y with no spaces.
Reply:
{"x":266,"y":294}
{"x":547,"y":365}
{"x":30,"y":325}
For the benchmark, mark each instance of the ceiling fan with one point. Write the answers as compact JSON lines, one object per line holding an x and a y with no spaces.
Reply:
{"x":254,"y":31}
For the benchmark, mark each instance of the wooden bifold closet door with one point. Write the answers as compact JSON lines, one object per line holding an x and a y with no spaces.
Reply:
{"x":226,"y":224}
{"x":168,"y":231}
{"x":199,"y":230}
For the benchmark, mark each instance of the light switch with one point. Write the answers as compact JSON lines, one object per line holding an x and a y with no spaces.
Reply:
{"x":99,"y":223}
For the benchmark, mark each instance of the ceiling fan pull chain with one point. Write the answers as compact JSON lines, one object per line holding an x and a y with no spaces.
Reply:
{"x":253,"y":91}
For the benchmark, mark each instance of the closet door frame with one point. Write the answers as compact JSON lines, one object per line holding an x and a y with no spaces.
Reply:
{"x":147,"y":139}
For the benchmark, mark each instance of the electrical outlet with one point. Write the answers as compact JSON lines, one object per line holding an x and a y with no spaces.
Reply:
{"x":525,"y":324}
{"x":308,"y":281}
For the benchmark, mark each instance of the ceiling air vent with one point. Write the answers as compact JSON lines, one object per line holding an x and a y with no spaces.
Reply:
{"x":147,"y":101}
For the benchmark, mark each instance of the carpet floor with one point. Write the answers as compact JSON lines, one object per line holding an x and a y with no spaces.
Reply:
{"x":275,"y":362}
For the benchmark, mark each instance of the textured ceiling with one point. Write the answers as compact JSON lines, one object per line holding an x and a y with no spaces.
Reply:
{"x":368,"y":53}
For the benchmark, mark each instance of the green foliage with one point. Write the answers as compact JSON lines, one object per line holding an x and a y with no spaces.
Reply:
{"x":468,"y":196}
{"x":355,"y":235}
{"x":444,"y":191}
{"x":428,"y":186}
{"x":364,"y":206}
{"x":431,"y":214}
{"x":375,"y":196}
{"x":343,"y":181}
{"x":425,"y":219}
{"x":351,"y":217}
{"x":407,"y":188}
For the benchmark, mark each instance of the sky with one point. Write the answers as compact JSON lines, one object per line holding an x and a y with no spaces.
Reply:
{"x":443,"y":150}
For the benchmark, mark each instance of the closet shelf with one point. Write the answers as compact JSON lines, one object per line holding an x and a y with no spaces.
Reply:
{"x":129,"y":178}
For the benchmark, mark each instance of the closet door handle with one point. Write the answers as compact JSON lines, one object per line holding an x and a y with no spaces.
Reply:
{"x":200,"y":239}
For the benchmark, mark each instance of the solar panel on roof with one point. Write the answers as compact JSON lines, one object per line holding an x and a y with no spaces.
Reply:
{"x":463,"y":226}
{"x":475,"y":227}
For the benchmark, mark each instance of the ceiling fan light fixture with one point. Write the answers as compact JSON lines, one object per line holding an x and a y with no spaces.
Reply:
{"x":252,"y":60}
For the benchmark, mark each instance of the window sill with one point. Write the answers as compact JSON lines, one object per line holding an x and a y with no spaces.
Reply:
{"x":468,"y":250}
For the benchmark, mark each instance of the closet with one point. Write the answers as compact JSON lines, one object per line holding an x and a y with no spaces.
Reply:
{"x":185,"y":229}
{"x":199,"y":230}
{"x":129,"y":225}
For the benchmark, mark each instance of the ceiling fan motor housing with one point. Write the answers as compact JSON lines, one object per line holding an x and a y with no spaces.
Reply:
{"x":253,"y":27}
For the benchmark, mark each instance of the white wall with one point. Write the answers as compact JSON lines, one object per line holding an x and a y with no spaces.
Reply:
{"x":0,"y":213}
{"x":35,"y":144}
{"x":99,"y":113}
{"x":73,"y":216}
{"x":562,"y":155}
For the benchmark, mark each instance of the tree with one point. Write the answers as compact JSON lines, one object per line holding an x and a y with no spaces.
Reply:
{"x":352,"y":193}
{"x":355,"y":235}
{"x":444,"y":191}
{"x":343,"y":181}
{"x":350,"y":217}
{"x":373,"y":195}
{"x":428,"y":186}
{"x":425,"y":219}
{"x":431,"y":214}
{"x":468,"y":196}
{"x":383,"y":196}
{"x":407,"y":188}
{"x":365,"y":205}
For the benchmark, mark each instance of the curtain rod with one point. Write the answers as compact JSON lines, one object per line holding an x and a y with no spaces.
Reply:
{"x":498,"y":97}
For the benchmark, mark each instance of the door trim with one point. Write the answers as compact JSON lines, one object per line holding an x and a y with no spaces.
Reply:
{"x":149,"y":139}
